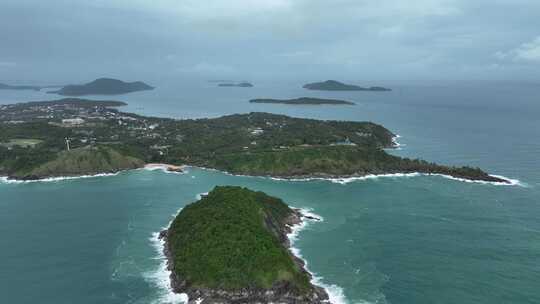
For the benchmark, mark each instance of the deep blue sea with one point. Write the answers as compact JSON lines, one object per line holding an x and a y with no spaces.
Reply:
{"x":400,"y":240}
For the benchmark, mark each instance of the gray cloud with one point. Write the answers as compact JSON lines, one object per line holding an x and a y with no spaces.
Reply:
{"x":69,"y":40}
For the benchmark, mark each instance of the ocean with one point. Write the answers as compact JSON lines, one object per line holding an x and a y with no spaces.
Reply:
{"x":394,"y":239}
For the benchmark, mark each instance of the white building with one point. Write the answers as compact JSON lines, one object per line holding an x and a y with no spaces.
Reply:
{"x":73,"y":121}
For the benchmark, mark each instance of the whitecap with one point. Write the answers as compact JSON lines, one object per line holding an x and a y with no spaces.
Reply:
{"x":335,"y":293}
{"x":161,"y":276}
{"x":6,"y":180}
{"x":162,"y":168}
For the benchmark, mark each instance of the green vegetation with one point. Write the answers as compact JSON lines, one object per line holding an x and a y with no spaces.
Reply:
{"x":252,"y":144}
{"x":103,"y":86}
{"x":81,"y":161}
{"x":231,"y":240}
{"x":334,"y":161}
{"x":332,"y":85}
{"x":303,"y":101}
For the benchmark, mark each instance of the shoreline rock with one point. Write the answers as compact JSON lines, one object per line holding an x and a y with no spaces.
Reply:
{"x":319,"y":176}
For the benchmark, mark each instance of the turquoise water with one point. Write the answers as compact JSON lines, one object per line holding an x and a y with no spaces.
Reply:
{"x":422,"y":239}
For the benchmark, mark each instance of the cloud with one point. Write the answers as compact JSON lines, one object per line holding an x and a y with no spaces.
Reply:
{"x":528,"y":52}
{"x":7,"y":64}
{"x":205,"y":68}
{"x":295,"y":54}
{"x":393,"y":39}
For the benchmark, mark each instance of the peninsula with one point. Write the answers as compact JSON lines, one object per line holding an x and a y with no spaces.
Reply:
{"x":332,"y":85}
{"x":304,"y":101}
{"x":240,"y":85}
{"x":71,"y":137}
{"x":231,"y":246}
{"x":103,"y":86}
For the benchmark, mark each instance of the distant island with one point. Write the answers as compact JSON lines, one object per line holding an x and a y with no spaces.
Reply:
{"x":240,"y":85}
{"x":304,"y":101}
{"x":73,"y":137}
{"x":103,"y":86}
{"x":231,"y":246}
{"x":18,"y":87}
{"x":332,"y":85}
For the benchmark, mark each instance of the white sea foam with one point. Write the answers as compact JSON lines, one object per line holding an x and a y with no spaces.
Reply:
{"x":346,"y":180}
{"x":6,"y":180}
{"x":511,"y":182}
{"x":161,"y":276}
{"x":163,"y":168}
{"x":335,"y":293}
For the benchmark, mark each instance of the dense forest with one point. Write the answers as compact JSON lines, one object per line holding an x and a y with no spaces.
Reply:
{"x":233,"y":240}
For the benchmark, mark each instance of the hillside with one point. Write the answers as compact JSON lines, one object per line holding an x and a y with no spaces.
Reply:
{"x":252,"y":144}
{"x":332,"y":85}
{"x":103,"y":86}
{"x":231,"y":247}
{"x":77,"y":162}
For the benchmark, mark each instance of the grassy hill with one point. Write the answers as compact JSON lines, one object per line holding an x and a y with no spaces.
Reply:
{"x":81,"y":161}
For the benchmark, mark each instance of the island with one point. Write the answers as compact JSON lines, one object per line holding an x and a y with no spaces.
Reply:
{"x":18,"y":87}
{"x":88,"y":137}
{"x":303,"y":101}
{"x":239,"y":85}
{"x":103,"y":86}
{"x":332,"y":85}
{"x":231,"y":246}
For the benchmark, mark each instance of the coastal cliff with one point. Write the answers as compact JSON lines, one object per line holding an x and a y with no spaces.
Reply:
{"x":232,"y":247}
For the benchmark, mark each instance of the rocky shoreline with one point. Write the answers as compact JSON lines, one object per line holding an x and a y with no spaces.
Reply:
{"x":279,"y":293}
{"x":151,"y":166}
{"x":324,"y":176}
{"x":316,"y":176}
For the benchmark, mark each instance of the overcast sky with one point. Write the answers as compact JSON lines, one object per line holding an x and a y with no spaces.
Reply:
{"x":77,"y":40}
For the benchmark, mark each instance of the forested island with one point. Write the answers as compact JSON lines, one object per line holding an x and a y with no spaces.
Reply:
{"x":332,"y":85}
{"x":240,"y":85}
{"x":72,"y":137}
{"x":303,"y":101}
{"x":103,"y":86}
{"x":4,"y":86}
{"x":231,"y":246}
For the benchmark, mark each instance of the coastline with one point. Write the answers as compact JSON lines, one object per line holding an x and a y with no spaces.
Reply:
{"x":351,"y":178}
{"x":161,"y":277}
{"x":167,"y":168}
{"x":334,"y":292}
